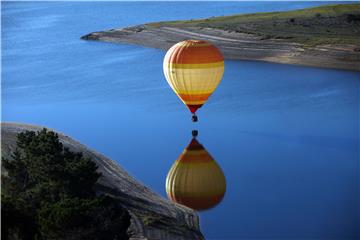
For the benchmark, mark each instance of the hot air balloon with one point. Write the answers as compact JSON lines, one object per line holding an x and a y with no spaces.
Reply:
{"x":195,"y":179}
{"x":193,"y":69}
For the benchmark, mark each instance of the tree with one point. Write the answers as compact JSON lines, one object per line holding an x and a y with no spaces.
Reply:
{"x":48,"y":193}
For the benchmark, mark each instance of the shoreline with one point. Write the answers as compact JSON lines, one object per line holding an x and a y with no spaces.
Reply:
{"x":238,"y":46}
{"x":325,"y":36}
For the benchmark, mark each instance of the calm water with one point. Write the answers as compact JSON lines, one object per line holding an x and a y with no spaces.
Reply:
{"x":286,"y":137}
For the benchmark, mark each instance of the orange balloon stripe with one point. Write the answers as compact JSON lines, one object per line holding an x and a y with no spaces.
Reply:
{"x":187,"y":158}
{"x":195,"y":153}
{"x":198,"y":203}
{"x":195,"y":54}
{"x":194,"y":97}
{"x":192,"y":103}
{"x":172,"y":66}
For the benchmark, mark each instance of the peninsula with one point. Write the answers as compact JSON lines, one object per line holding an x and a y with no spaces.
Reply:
{"x":325,"y":36}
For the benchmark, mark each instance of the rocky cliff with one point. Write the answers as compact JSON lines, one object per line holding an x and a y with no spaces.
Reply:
{"x":152,"y":217}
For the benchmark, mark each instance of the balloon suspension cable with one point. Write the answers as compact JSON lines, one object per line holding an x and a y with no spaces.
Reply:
{"x":194,"y":118}
{"x":195,"y":133}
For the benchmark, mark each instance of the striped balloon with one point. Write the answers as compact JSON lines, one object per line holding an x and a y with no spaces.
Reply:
{"x":196,"y":180}
{"x":193,"y":69}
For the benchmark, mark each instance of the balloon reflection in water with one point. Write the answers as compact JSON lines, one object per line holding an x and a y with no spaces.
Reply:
{"x":195,"y":179}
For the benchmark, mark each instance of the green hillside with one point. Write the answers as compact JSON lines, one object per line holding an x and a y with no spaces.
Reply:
{"x":338,"y":23}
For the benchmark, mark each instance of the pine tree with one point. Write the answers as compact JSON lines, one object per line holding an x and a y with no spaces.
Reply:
{"x":48,"y":193}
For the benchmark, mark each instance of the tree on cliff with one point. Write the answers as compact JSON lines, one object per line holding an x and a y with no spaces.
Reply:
{"x":48,"y":193}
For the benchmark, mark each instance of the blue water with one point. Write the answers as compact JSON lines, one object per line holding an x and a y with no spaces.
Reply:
{"x":286,"y":137}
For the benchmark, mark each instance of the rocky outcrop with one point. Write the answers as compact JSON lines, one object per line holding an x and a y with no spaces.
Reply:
{"x":152,"y":217}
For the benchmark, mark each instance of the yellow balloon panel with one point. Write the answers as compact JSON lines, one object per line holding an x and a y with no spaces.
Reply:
{"x":194,"y":81}
{"x":197,"y":180}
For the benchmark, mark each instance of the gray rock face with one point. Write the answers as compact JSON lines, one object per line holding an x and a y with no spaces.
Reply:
{"x":152,"y":217}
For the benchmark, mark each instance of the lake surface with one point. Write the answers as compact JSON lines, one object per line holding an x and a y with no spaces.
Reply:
{"x":286,"y":137}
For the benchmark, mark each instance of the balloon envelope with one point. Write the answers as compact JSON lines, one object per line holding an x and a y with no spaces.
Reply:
{"x":193,"y":69}
{"x":196,"y":180}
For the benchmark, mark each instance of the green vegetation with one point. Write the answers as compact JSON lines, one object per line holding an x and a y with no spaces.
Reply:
{"x":338,"y":23}
{"x":48,"y":193}
{"x":148,"y":220}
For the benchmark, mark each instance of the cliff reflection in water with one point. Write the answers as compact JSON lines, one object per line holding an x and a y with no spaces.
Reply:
{"x":195,"y":179}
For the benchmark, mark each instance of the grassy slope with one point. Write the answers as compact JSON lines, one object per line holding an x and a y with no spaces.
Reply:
{"x":338,"y":23}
